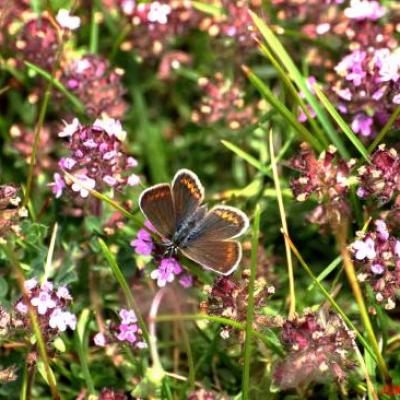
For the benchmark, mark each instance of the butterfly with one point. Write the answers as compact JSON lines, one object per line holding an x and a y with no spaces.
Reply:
{"x":202,"y":235}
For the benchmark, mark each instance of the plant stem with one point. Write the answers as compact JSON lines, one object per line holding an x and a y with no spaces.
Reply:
{"x":285,"y":231}
{"x":250,"y":307}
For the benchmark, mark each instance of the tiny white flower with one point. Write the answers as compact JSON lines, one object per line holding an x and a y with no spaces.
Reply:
{"x":70,"y":129}
{"x":83,"y":185}
{"x":67,"y":21}
{"x":112,"y":127}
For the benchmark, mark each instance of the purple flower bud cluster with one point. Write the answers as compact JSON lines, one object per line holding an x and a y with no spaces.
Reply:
{"x":317,"y":350}
{"x":38,"y":42}
{"x":96,"y":159}
{"x":111,"y":394}
{"x":51,"y":305}
{"x":377,"y":253}
{"x":127,"y":331}
{"x":381,"y":178}
{"x":96,"y":84}
{"x":223,"y":101}
{"x":10,"y":210}
{"x":228,"y":298}
{"x":168,"y":267}
{"x":326,"y":177}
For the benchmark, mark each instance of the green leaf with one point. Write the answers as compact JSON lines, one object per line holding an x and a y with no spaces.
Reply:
{"x":208,"y":8}
{"x":300,"y":81}
{"x":341,"y":122}
{"x":326,"y":271}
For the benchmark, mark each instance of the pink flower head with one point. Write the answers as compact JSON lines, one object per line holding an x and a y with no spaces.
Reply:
{"x":67,"y":21}
{"x":100,"y":339}
{"x":62,"y":320}
{"x":364,"y":249}
{"x":143,"y":244}
{"x":127,"y":316}
{"x":127,"y":333}
{"x":43,"y":302}
{"x":364,"y":10}
{"x":168,"y":268}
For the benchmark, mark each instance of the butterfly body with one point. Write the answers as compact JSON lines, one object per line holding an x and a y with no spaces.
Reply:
{"x":205,"y":236}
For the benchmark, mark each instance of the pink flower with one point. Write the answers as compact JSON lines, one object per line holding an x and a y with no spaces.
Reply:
{"x":85,"y":184}
{"x":21,"y":307}
{"x":63,"y":293}
{"x":133,"y":180}
{"x":364,"y":10}
{"x":47,"y":286}
{"x":30,"y":284}
{"x":127,"y":316}
{"x":67,"y":21}
{"x":100,"y":339}
{"x":43,"y":302}
{"x":58,"y":185}
{"x":70,"y":129}
{"x":61,"y":320}
{"x":382,"y":230}
{"x":127,"y":333}
{"x":159,"y":12}
{"x":143,"y":244}
{"x":186,"y":281}
{"x":111,"y":126}
{"x":169,"y":267}
{"x":362,"y":124}
{"x":364,"y":249}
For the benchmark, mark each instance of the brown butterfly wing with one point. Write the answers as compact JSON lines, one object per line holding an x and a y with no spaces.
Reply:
{"x":157,"y":205}
{"x":220,"y":256}
{"x":223,"y":222}
{"x":188,"y":193}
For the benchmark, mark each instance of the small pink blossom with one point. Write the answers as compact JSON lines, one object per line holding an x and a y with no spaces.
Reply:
{"x":127,"y":316}
{"x":100,"y":339}
{"x":43,"y":302}
{"x":61,"y":320}
{"x":127,"y":333}
{"x":165,"y":273}
{"x":364,"y":10}
{"x":159,"y":12}
{"x":364,"y":249}
{"x":143,"y":244}
{"x":85,"y":183}
{"x":58,"y":185}
{"x":21,"y":307}
{"x":111,"y":126}
{"x":63,"y":293}
{"x":30,"y":284}
{"x":70,"y":129}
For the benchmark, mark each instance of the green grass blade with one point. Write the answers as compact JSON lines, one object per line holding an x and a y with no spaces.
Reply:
{"x":247,"y":157}
{"x":119,"y":276}
{"x":341,"y":122}
{"x":57,"y":84}
{"x":300,"y":82}
{"x":250,"y":306}
{"x":385,"y":130}
{"x":332,"y":266}
{"x":282,"y":109}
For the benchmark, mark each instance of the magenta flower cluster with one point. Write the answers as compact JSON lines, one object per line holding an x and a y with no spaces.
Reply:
{"x":168,"y":266}
{"x":51,"y":305}
{"x":127,"y":331}
{"x":96,"y":159}
{"x":377,"y":254}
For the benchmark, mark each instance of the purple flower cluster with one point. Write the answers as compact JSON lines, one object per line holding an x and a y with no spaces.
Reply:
{"x":377,"y":253}
{"x":96,"y":159}
{"x":228,"y":298}
{"x":127,"y":331}
{"x":51,"y":305}
{"x":168,"y":267}
{"x":381,"y":178}
{"x":326,"y":177}
{"x":318,"y":349}
{"x":96,"y":84}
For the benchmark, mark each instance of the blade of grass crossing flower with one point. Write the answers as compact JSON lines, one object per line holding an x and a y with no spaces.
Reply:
{"x":247,"y":157}
{"x":124,"y":286}
{"x":292,"y":301}
{"x":292,"y":89}
{"x":299,"y":80}
{"x":331,"y":300}
{"x":57,"y":84}
{"x":250,"y":306}
{"x":81,"y":336}
{"x":341,"y":122}
{"x":281,"y":108}
{"x":385,"y":130}
{"x":332,"y":266}
{"x":50,"y":378}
